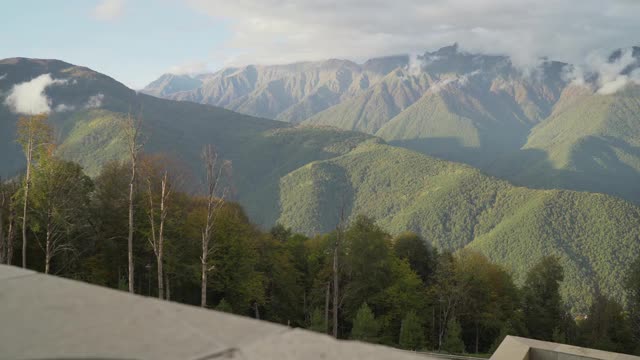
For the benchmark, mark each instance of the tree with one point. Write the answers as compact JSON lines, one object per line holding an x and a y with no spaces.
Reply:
{"x":632,"y":289}
{"x":60,"y":198}
{"x":217,"y":174}
{"x":368,"y":264}
{"x":158,"y":182}
{"x":4,"y":199}
{"x":336,"y":270}
{"x":413,"y":248}
{"x":542,"y":303}
{"x":448,"y":293}
{"x":453,"y":341}
{"x":34,"y":133}
{"x":490,"y":300}
{"x":133,"y":133}
{"x":606,"y":327}
{"x":365,"y":326}
{"x":411,"y":332}
{"x":224,"y":306}
{"x":317,"y":322}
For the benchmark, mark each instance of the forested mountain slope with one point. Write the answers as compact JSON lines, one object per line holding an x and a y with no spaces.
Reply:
{"x":455,"y":206}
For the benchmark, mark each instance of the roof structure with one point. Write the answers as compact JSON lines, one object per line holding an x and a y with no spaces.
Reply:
{"x":48,"y":317}
{"x":517,"y":348}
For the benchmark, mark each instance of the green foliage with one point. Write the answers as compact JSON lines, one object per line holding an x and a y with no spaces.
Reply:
{"x":632,"y":290}
{"x":542,"y":303}
{"x":411,"y":247}
{"x":367,"y":263}
{"x":365,"y":326}
{"x":317,"y":322}
{"x":224,"y":306}
{"x":606,"y":327}
{"x":453,"y":341}
{"x":411,"y":332}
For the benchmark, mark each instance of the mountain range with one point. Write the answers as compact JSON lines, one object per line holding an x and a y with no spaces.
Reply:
{"x":301,"y":175}
{"x":554,"y":125}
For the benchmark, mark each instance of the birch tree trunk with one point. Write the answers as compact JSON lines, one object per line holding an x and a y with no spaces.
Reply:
{"x":203,"y":258}
{"x":160,"y":253}
{"x":26,"y":202}
{"x":326,"y":307}
{"x":336,"y":288}
{"x":48,"y":245}
{"x":132,"y":129}
{"x":3,"y":240}
{"x":11,"y":236}
{"x":130,"y":235}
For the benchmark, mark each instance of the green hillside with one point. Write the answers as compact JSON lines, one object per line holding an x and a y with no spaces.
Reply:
{"x":261,"y":150}
{"x":591,"y":142}
{"x":456,"y":206}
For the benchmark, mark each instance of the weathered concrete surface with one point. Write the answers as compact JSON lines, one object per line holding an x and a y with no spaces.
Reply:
{"x":517,"y":348}
{"x":44,"y":316}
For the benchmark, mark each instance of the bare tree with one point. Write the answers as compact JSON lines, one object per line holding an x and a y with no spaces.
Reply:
{"x":157,"y":240}
{"x":133,"y":133}
{"x":217,"y":190}
{"x":3,"y":240}
{"x":11,"y":236}
{"x":33,"y":134}
{"x":326,"y":307}
{"x":336,"y":270}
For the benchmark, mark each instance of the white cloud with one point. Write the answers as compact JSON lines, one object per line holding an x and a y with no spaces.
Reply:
{"x":191,"y":68}
{"x":459,"y":81}
{"x":94,"y":101}
{"x":277,"y":31}
{"x":29,"y":97}
{"x":605,"y":75}
{"x":64,"y":107}
{"x":108,"y":9}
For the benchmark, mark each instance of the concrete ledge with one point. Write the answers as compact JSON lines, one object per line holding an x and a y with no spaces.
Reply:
{"x":47,"y":317}
{"x":517,"y":348}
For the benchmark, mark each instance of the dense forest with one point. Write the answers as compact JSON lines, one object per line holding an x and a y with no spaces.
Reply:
{"x":139,"y":226}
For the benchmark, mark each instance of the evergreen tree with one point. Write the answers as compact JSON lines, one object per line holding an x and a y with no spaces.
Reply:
{"x":411,"y":332}
{"x":317,"y":322}
{"x":224,"y":306}
{"x":365,"y":325}
{"x":453,"y":340}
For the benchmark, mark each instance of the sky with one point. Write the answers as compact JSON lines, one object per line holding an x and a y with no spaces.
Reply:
{"x":136,"y":41}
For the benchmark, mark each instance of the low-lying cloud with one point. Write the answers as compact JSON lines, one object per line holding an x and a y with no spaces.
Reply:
{"x":607,"y":76}
{"x":30,"y":97}
{"x":94,"y":101}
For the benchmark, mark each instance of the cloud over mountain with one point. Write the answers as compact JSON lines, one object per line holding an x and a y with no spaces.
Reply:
{"x":30,"y":97}
{"x":276,"y":31}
